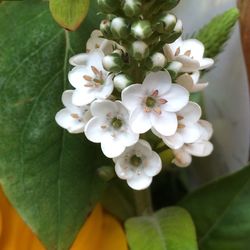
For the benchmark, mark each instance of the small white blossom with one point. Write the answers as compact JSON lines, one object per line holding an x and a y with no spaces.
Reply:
{"x":200,"y":148}
{"x":109,"y":126}
{"x":188,"y":130}
{"x":91,"y":81}
{"x":190,"y":82}
{"x":190,"y":53}
{"x":138,"y":164}
{"x":154,"y":103}
{"x":72,"y":118}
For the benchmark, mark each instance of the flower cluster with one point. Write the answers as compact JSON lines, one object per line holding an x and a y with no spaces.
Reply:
{"x":125,"y":94}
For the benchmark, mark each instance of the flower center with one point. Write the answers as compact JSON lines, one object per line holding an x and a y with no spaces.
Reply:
{"x":95,"y":81}
{"x":150,"y":102}
{"x":116,"y":123}
{"x":135,"y":161}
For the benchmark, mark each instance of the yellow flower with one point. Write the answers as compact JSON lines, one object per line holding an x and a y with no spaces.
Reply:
{"x":100,"y":232}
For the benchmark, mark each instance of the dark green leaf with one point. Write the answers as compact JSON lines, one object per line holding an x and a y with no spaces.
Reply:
{"x":220,"y":211}
{"x":69,"y":14}
{"x":168,"y":229}
{"x":48,"y":174}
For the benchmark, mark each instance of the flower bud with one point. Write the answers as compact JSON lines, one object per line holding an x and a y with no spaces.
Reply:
{"x":106,"y":173}
{"x":105,"y":27}
{"x":132,"y":8}
{"x":139,"y":50}
{"x":141,"y":29}
{"x":156,"y":62}
{"x":166,"y":23}
{"x":175,"y":34}
{"x":113,"y":62}
{"x":174,"y":68}
{"x":119,"y":27}
{"x":121,"y":81}
{"x":169,"y":4}
{"x":108,"y":6}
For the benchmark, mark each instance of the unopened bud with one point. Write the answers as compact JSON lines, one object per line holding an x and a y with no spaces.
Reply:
{"x":108,"y":6}
{"x":106,"y":173}
{"x":113,"y":62}
{"x":121,"y":81}
{"x":156,"y":62}
{"x":141,"y":29}
{"x":175,"y":34}
{"x":166,"y":23}
{"x":132,"y":8}
{"x":119,"y":27}
{"x":105,"y":27}
{"x":139,"y":50}
{"x":169,"y":4}
{"x":174,"y":68}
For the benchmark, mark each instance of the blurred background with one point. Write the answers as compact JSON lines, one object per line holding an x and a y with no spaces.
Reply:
{"x":226,"y":98}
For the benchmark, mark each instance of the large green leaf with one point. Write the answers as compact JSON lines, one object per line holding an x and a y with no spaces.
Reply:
{"x":168,"y":229}
{"x":48,"y":174}
{"x":69,"y":14}
{"x":221,"y":212}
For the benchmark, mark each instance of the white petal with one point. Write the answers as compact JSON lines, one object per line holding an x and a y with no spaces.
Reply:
{"x":83,"y":96}
{"x":165,"y":124}
{"x":154,"y":165}
{"x":206,"y":63}
{"x":144,"y":144}
{"x":102,"y":108}
{"x":123,"y":169}
{"x":65,"y":120}
{"x":182,"y":159}
{"x":195,"y":46}
{"x":95,"y":59}
{"x":140,"y":121}
{"x":188,"y":64}
{"x":177,"y":98}
{"x":75,"y":76}
{"x":195,"y":76}
{"x":79,"y":59}
{"x":127,"y":137}
{"x":199,"y":87}
{"x":111,"y":147}
{"x":94,"y":131}
{"x":190,"y":113}
{"x":207,"y":130}
{"x":186,"y":81}
{"x":168,"y":52}
{"x":132,"y":96}
{"x":139,"y":182}
{"x":106,"y":89}
{"x":160,"y":81}
{"x":175,"y":141}
{"x":190,"y":133}
{"x":67,"y":98}
{"x":200,"y":149}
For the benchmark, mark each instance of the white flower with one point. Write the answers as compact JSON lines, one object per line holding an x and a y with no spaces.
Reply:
{"x":109,"y":126}
{"x":188,"y":130}
{"x":154,"y":103}
{"x":190,"y":82}
{"x":138,"y":164}
{"x":190,"y":53}
{"x":72,"y":118}
{"x":91,"y":81}
{"x":200,"y":148}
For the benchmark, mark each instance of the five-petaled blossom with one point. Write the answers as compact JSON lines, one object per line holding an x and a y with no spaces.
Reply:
{"x":91,"y":81}
{"x":188,"y":130}
{"x":200,"y":148}
{"x":188,"y":52}
{"x":109,"y":126}
{"x":191,"y":82}
{"x":154,"y":103}
{"x":72,"y":118}
{"x":138,"y":164}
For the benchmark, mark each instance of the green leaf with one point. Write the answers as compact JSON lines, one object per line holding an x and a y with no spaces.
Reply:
{"x":220,"y":211}
{"x":169,"y":229}
{"x":48,"y":174}
{"x":217,"y":32}
{"x":69,"y":14}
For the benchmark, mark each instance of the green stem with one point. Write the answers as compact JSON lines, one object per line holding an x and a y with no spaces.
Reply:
{"x":143,"y":202}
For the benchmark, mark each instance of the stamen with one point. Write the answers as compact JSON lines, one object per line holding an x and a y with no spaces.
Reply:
{"x":87,"y":78}
{"x":181,"y":126}
{"x":95,"y":70}
{"x":104,"y":126}
{"x":75,"y":116}
{"x":162,"y":101}
{"x":179,"y":117}
{"x":155,"y":93}
{"x":187,"y":53}
{"x":157,"y":110}
{"x":178,"y":51}
{"x":147,"y":109}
